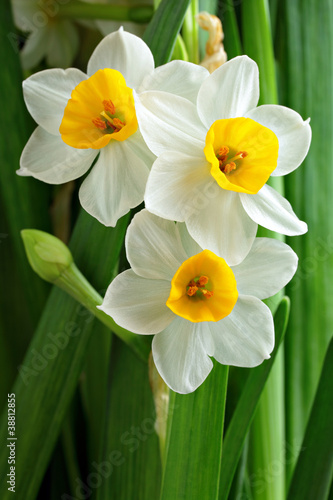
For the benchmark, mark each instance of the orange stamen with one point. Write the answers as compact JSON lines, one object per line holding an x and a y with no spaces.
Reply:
{"x":202,"y":281}
{"x":118,"y":123}
{"x":192,"y":290}
{"x":241,"y":154}
{"x":99,"y":123}
{"x":198,"y":285}
{"x":109,"y":106}
{"x":223,"y":151}
{"x":229,"y":167}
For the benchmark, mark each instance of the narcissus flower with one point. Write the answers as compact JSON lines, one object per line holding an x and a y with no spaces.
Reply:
{"x":81,"y":115}
{"x":215,"y":157}
{"x":197,"y":305}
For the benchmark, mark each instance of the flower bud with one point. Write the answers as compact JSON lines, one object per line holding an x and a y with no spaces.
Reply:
{"x":48,"y":256}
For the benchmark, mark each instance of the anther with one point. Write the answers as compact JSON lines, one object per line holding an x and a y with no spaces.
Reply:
{"x":192,"y":290}
{"x":202,"y":281}
{"x":114,"y":123}
{"x":99,"y":123}
{"x":109,"y":106}
{"x":229,"y":167}
{"x":223,"y":151}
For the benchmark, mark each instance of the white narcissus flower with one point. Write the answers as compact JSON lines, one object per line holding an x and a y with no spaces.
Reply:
{"x":82,"y":115}
{"x":215,"y":157}
{"x":197,"y":305}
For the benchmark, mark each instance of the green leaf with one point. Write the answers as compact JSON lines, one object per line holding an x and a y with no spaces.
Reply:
{"x":314,"y":468}
{"x":164,"y":27}
{"x":55,"y":358}
{"x":247,"y":404}
{"x":232,"y":41}
{"x":24,"y":203}
{"x":129,"y":442}
{"x":194,"y":440}
{"x":307,"y":79}
{"x":268,"y":432}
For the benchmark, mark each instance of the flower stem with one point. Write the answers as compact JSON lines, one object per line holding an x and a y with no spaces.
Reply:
{"x":138,"y":14}
{"x":75,"y":284}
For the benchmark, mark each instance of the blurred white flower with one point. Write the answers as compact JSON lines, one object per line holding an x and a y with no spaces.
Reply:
{"x":49,"y":36}
{"x":196,"y":304}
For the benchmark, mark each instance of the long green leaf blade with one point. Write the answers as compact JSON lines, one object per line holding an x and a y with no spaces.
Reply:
{"x":164,"y":27}
{"x":307,"y":79}
{"x":129,"y":442}
{"x":194,"y":441}
{"x":268,"y":433}
{"x":314,"y":469}
{"x":247,"y":404}
{"x":55,"y":358}
{"x":24,"y":202}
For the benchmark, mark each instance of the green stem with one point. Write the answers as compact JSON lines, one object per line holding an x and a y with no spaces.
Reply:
{"x":75,"y":284}
{"x":137,"y":14}
{"x":179,"y":51}
{"x":191,"y":32}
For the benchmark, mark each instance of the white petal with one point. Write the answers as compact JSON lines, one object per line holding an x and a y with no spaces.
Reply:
{"x":126,"y":53}
{"x":169,"y":122}
{"x":293,"y":133}
{"x":138,"y":304}
{"x":116,"y":183}
{"x":229,"y":92}
{"x":47,"y":158}
{"x":154,"y":247}
{"x":269,"y":209}
{"x":245,"y":337}
{"x":63,"y":43}
{"x":176,"y":185}
{"x":34,"y":49}
{"x":267,"y":268}
{"x":220,"y":224}
{"x":180,"y":356}
{"x":46,"y":95}
{"x":177,"y":77}
{"x":190,"y":246}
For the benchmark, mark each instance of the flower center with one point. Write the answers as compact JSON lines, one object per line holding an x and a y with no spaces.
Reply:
{"x":100,"y":109}
{"x":208,"y":296}
{"x":227,"y":164}
{"x":108,"y":122}
{"x":242,"y":154}
{"x":199,"y":287}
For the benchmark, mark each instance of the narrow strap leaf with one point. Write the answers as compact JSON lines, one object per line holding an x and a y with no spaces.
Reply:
{"x":314,"y":468}
{"x":247,"y":404}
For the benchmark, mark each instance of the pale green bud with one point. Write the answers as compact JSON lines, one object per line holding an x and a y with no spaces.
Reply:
{"x":48,"y":256}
